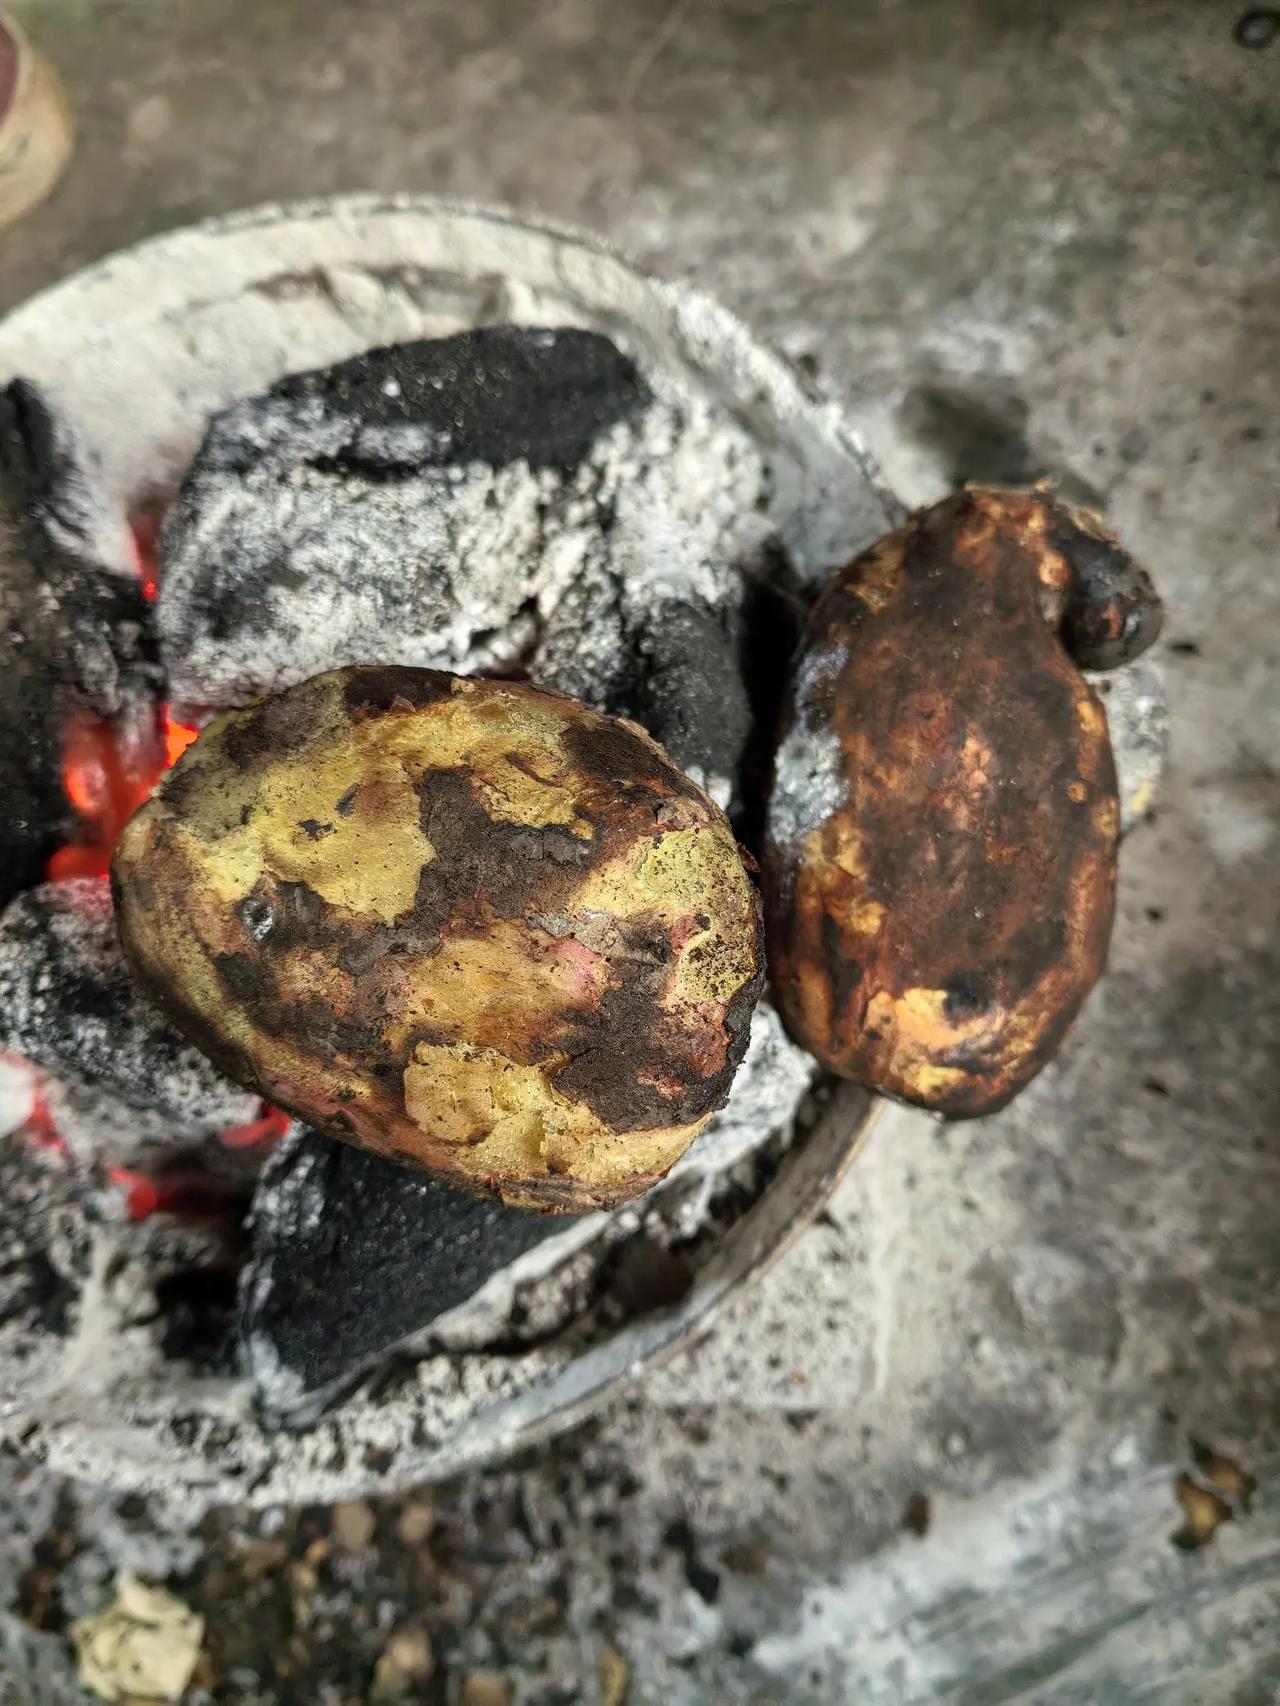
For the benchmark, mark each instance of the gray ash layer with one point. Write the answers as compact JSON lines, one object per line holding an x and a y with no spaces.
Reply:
{"x":40,"y":1201}
{"x":120,"y":1080}
{"x":357,"y":1262}
{"x":506,"y":500}
{"x":74,"y":627}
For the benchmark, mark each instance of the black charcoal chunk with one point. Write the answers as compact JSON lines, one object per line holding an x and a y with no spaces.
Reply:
{"x":512,"y":500}
{"x":498,"y":394}
{"x":386,"y":507}
{"x":121,"y":1081}
{"x":354,"y":1259}
{"x":682,"y":680}
{"x":74,"y":627}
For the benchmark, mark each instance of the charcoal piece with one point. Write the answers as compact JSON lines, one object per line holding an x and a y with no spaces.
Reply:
{"x":354,"y":1259}
{"x":511,"y":500}
{"x":682,"y":680}
{"x":497,"y":394}
{"x":388,"y":507}
{"x":121,"y":1081}
{"x":74,"y":626}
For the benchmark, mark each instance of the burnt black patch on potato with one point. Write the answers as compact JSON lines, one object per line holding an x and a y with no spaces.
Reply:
{"x":665,"y":1082}
{"x":274,"y":728}
{"x":1113,"y":612}
{"x":481,"y":867}
{"x":612,"y":755}
{"x":376,"y":689}
{"x":968,"y":993}
{"x":245,"y":977}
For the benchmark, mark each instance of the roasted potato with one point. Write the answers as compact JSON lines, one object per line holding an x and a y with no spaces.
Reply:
{"x":941,"y":859}
{"x":471,"y":925}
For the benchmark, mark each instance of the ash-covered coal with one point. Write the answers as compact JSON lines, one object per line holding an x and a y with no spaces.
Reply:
{"x":505,"y":500}
{"x":74,"y":626}
{"x":120,"y":1081}
{"x":354,"y":1257}
{"x":41,"y":1256}
{"x":357,"y":1262}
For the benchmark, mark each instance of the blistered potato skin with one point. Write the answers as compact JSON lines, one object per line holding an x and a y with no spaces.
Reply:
{"x":940,"y":873}
{"x":471,"y":925}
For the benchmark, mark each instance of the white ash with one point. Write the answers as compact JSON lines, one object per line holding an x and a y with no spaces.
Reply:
{"x":39,"y":1276}
{"x":19,"y":1088}
{"x":119,"y":1079}
{"x":1138,"y":721}
{"x":809,"y":784}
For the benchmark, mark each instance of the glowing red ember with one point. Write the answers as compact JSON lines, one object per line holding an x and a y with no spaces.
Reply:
{"x":105,"y":777}
{"x":269,"y":1127}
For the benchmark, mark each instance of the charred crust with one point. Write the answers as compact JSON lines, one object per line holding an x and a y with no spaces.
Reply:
{"x":968,"y":993}
{"x":245,"y":978}
{"x":1113,"y":612}
{"x":277,"y":725}
{"x":481,"y":863}
{"x":845,"y":972}
{"x":374,"y":690}
{"x":966,"y":895}
{"x":605,"y":750}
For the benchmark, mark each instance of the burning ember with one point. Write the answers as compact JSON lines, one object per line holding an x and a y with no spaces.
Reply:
{"x":105,"y":776}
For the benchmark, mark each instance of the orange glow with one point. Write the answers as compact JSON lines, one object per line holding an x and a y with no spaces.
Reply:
{"x":269,"y":1127}
{"x":104,"y":777}
{"x":143,"y":529}
{"x":106,"y":784}
{"x":142,"y":1196}
{"x":105,"y":789}
{"x":41,"y":1129}
{"x":177,"y":737}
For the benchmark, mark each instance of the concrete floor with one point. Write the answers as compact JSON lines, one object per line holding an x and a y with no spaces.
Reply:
{"x":1017,"y":237}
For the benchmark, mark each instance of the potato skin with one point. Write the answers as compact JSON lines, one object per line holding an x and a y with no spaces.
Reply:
{"x":940,"y":871}
{"x":471,"y":925}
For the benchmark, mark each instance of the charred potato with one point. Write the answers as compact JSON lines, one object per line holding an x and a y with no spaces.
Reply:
{"x":940,"y":872}
{"x":471,"y":925}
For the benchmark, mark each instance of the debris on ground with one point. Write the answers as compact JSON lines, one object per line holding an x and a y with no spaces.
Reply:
{"x":485,"y":1688}
{"x":1205,"y":1513}
{"x":143,"y":1647}
{"x":354,"y":1526}
{"x":1224,"y":1475}
{"x":407,"y":1662}
{"x":614,"y":1675}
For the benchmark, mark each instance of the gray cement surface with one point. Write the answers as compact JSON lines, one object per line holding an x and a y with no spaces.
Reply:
{"x":1019,"y":238}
